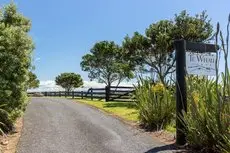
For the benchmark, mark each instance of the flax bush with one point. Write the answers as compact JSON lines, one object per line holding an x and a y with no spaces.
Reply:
{"x":155,"y":103}
{"x":1,"y":123}
{"x":6,"y":123}
{"x":208,"y":117}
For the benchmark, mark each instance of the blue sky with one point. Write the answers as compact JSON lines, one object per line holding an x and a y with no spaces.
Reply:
{"x":64,"y":31}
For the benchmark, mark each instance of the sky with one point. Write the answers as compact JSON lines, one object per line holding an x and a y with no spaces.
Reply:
{"x":64,"y":31}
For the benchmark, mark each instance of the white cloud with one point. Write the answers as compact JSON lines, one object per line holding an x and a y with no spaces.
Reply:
{"x":37,"y":59}
{"x":93,"y":84}
{"x":50,"y":85}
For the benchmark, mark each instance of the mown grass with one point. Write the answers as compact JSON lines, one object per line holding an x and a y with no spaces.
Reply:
{"x":125,"y":110}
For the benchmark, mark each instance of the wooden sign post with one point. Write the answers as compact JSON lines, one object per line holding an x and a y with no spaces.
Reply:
{"x":181,"y":46}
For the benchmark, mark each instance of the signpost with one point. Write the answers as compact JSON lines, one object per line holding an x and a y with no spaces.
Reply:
{"x":200,"y":61}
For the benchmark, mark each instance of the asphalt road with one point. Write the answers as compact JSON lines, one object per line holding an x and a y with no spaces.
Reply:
{"x":54,"y":125}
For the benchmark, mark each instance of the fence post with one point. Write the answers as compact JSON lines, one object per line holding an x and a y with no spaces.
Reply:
{"x":107,"y":93}
{"x":91,"y":93}
{"x":81,"y":94}
{"x":73,"y":94}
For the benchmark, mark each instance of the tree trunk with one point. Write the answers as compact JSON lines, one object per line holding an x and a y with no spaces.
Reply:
{"x":107,"y":96}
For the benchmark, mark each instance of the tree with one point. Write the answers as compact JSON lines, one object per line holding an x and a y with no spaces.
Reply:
{"x":106,"y":64}
{"x":154,"y":52}
{"x":33,"y":82}
{"x":16,"y":47}
{"x":69,"y":81}
{"x":196,"y":29}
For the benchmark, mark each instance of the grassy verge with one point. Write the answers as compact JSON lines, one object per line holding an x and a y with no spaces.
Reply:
{"x":125,"y":110}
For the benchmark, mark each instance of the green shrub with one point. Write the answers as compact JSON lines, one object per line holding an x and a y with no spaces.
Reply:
{"x":208,"y":117}
{"x":6,"y":123}
{"x":208,"y":126}
{"x":16,"y":47}
{"x":155,"y":103}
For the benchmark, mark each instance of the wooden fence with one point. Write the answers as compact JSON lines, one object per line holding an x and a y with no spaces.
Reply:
{"x":113,"y":93}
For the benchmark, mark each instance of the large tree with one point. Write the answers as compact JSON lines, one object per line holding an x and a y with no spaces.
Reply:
{"x":33,"y":81}
{"x":106,"y":64}
{"x":69,"y":81}
{"x":15,"y":57}
{"x":153,"y":52}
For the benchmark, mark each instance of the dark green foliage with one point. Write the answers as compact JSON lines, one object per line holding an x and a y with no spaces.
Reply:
{"x":195,"y":29}
{"x":6,"y":124}
{"x":208,"y":126}
{"x":106,"y":63}
{"x":33,"y":82}
{"x":153,"y":52}
{"x":155,"y":103}
{"x":15,"y":58}
{"x":69,"y":81}
{"x":208,"y":117}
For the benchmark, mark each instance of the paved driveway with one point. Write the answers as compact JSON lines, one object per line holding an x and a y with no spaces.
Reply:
{"x":53,"y":125}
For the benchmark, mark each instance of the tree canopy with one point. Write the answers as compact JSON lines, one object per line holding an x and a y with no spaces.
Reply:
{"x":106,"y":64}
{"x":69,"y":81}
{"x":33,"y":81}
{"x":16,"y":47}
{"x":153,"y":52}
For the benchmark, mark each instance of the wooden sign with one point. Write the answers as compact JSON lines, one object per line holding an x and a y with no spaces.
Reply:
{"x":201,"y":63}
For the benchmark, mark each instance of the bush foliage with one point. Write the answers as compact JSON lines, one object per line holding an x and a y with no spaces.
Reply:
{"x":69,"y":81}
{"x":208,"y":117}
{"x":15,"y":58}
{"x":156,"y":104}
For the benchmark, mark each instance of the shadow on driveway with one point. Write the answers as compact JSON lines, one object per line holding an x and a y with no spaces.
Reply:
{"x":165,"y":148}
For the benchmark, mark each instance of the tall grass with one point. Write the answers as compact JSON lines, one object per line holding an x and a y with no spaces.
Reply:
{"x":208,"y":126}
{"x":1,"y":123}
{"x":155,"y":103}
{"x":208,"y":117}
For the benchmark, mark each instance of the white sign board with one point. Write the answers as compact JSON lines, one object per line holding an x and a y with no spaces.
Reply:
{"x":201,"y":63}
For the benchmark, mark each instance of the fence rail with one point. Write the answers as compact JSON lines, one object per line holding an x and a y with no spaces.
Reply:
{"x":113,"y":93}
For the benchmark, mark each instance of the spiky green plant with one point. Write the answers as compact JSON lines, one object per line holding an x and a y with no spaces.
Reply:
{"x":6,"y":124}
{"x":1,"y":123}
{"x":155,"y":103}
{"x":208,"y":117}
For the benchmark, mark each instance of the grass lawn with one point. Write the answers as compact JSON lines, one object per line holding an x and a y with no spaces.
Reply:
{"x":125,"y":110}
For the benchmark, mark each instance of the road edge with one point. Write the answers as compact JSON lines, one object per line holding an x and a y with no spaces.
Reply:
{"x":157,"y":135}
{"x":9,"y":143}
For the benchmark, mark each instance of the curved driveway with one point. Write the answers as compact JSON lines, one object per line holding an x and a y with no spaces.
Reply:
{"x":53,"y":125}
